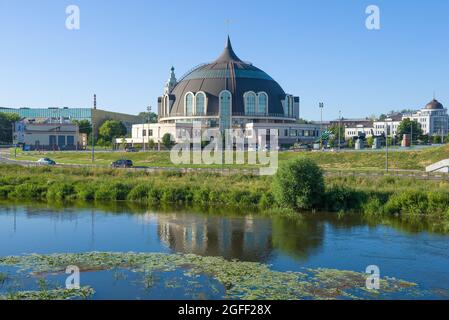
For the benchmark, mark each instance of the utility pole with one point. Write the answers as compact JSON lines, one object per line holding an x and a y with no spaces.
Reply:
{"x":149,"y":122}
{"x":321,"y":106}
{"x":339,"y":130}
{"x":386,"y":145}
{"x":411,"y":130}
{"x":93,"y":128}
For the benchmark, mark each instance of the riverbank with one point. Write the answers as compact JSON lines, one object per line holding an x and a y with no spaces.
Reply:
{"x":372,"y":196}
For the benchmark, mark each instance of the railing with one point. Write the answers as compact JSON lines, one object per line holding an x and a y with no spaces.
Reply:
{"x":419,"y":175}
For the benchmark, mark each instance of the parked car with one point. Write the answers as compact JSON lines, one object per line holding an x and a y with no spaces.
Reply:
{"x":46,"y":161}
{"x":131,"y":150}
{"x":122,"y":164}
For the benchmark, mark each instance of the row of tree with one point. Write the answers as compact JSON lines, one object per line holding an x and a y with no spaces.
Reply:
{"x":6,"y":125}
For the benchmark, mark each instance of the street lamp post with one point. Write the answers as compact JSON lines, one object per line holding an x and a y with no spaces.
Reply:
{"x":93,"y":128}
{"x":386,"y":145}
{"x":339,"y":130}
{"x":321,"y":106}
{"x":148,"y":126}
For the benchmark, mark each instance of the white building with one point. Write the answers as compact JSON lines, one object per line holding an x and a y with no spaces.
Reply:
{"x":48,"y":136}
{"x":433,"y":119}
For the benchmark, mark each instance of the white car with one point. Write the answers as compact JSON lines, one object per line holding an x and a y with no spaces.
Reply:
{"x":46,"y":161}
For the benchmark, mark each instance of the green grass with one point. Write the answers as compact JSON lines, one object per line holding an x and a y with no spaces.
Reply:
{"x":374,"y":196}
{"x":368,"y":160}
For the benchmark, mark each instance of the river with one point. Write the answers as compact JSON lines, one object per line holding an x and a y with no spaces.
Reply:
{"x":413,"y":252}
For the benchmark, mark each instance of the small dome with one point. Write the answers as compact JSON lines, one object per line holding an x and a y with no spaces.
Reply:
{"x":434,"y":105}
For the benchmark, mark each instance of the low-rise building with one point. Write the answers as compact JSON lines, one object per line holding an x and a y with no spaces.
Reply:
{"x":93,"y":115}
{"x":48,"y":136}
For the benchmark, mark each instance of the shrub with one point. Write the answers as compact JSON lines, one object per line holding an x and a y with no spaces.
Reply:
{"x":298,"y":184}
{"x":61,"y":191}
{"x":340,"y":198}
{"x":140,"y":192}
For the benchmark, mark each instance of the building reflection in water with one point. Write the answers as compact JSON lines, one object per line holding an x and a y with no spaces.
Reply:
{"x":243,"y":238}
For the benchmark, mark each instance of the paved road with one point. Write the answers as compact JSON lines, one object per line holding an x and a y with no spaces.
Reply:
{"x":419,"y":175}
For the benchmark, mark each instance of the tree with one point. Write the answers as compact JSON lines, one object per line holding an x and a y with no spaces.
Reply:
{"x":166,"y":140}
{"x":6,"y":126}
{"x":151,"y":144}
{"x":84,"y":126}
{"x":406,"y":126}
{"x":370,"y":141}
{"x":145,"y":116}
{"x":298,"y":184}
{"x":110,"y":130}
{"x":334,"y":129}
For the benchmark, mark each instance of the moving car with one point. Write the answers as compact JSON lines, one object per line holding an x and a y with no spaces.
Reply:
{"x":46,"y":161}
{"x":122,"y":164}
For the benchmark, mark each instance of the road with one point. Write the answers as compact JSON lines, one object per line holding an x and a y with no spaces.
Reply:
{"x":419,"y":175}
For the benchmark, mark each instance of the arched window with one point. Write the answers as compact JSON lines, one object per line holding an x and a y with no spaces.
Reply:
{"x":200,"y":104}
{"x":262,"y":105}
{"x":288,"y":106}
{"x":166,"y":105}
{"x":189,"y":104}
{"x":250,"y":103}
{"x":225,"y":110}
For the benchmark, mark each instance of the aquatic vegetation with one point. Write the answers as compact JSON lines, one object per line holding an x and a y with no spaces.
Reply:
{"x":55,"y":294}
{"x":240,"y":280}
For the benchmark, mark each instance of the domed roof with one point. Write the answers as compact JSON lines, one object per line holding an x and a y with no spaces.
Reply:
{"x":227,"y":72}
{"x":434,"y":105}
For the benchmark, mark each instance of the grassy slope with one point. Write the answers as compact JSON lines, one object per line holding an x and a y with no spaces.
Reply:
{"x":410,"y":160}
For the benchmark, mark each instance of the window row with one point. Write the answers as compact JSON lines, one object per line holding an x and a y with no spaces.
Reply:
{"x":255,"y":104}
{"x":195,"y":104}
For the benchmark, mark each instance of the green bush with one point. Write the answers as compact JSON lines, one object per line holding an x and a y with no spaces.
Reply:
{"x":140,"y":192}
{"x":61,"y":191}
{"x":298,"y":184}
{"x":338,"y":198}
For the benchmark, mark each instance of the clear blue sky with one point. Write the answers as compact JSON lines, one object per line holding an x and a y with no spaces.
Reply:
{"x":319,"y":50}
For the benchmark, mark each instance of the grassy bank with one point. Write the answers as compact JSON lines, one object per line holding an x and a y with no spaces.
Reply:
{"x":368,"y":160}
{"x":373,"y":196}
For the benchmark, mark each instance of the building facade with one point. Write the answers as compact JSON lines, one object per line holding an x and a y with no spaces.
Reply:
{"x":433,"y":119}
{"x":48,"y":136}
{"x":93,"y":115}
{"x":226,"y":94}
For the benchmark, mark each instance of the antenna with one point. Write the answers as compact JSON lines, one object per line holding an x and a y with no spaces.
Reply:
{"x":228,"y":25}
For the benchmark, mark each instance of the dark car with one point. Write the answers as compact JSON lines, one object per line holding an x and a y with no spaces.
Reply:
{"x":122,"y":164}
{"x":131,"y":150}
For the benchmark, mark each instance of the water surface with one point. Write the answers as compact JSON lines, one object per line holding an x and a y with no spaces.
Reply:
{"x":407,"y":251}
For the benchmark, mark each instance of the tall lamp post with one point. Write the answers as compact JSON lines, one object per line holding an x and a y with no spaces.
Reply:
{"x":339,"y":130}
{"x":386,"y":145}
{"x":148,"y":125}
{"x":321,"y":106}
{"x":93,"y":128}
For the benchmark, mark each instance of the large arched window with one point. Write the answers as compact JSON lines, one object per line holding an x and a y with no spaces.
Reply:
{"x":288,"y":106}
{"x":250,"y":103}
{"x":189,"y":104}
{"x":262,"y":103}
{"x":166,"y":105}
{"x":200,"y":104}
{"x":225,"y":110}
